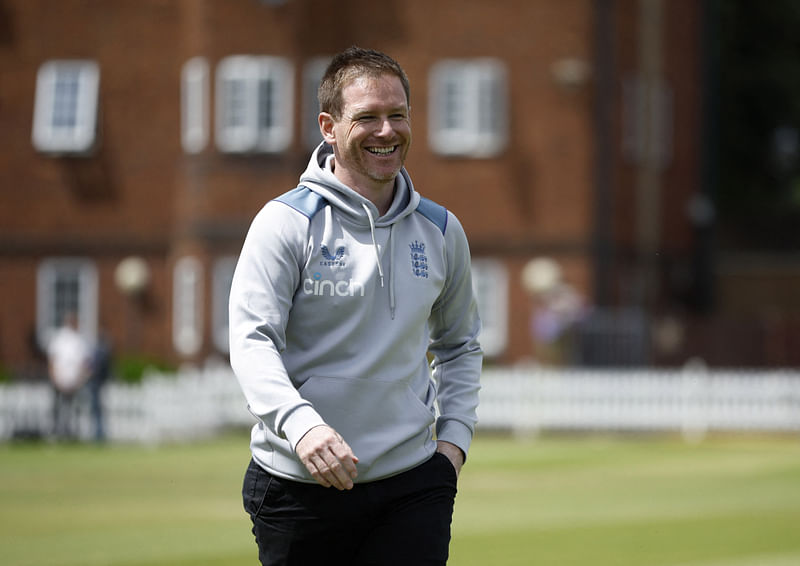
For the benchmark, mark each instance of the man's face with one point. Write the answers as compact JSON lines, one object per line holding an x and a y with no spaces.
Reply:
{"x":373,"y":135}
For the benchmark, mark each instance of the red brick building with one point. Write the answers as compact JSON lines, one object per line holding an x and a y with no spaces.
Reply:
{"x":155,"y":130}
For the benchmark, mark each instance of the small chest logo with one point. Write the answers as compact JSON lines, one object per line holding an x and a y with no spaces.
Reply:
{"x":332,"y":258}
{"x":419,"y":261}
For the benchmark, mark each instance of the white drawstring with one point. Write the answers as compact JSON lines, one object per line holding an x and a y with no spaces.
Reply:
{"x":391,"y":271}
{"x":374,"y":243}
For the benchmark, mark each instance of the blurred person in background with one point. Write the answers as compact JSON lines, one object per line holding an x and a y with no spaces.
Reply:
{"x":343,"y":286}
{"x":102,"y":356}
{"x":69,"y":362}
{"x":557,"y":311}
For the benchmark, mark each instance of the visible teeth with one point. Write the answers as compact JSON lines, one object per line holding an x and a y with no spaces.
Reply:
{"x":382,"y":150}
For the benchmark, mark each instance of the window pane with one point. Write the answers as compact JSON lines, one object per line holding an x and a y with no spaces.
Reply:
{"x":65,"y":109}
{"x":223,"y":277}
{"x":187,"y":314}
{"x":266,"y":101}
{"x":490,"y":284}
{"x":468,"y":114}
{"x":235,"y":103}
{"x":66,"y":291}
{"x":66,"y":285}
{"x":453,"y":106}
{"x":312,"y":75}
{"x":486,"y":105}
{"x":65,"y":99}
{"x":254,"y":104}
{"x":194,"y":105}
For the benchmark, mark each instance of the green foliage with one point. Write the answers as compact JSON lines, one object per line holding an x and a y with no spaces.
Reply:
{"x":132,"y":369}
{"x":5,"y":374}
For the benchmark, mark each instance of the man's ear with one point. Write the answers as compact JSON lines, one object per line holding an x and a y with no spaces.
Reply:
{"x":326,"y":127}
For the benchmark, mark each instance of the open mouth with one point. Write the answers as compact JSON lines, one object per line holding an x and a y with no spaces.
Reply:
{"x":382,"y":150}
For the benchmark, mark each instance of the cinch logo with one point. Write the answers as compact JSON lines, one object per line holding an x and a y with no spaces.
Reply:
{"x":321,"y":287}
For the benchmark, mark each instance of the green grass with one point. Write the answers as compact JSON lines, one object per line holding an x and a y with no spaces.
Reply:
{"x":732,"y":501}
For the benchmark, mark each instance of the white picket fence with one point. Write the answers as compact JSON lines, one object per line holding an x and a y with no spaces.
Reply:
{"x":201,"y":403}
{"x":692,"y":402}
{"x":192,"y":404}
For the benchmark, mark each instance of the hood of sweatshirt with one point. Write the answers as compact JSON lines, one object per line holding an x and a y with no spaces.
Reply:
{"x":319,"y":177}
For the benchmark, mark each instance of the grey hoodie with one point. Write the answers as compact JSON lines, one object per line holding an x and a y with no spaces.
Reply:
{"x":332,"y":312}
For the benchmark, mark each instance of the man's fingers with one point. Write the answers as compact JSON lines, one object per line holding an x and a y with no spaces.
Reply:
{"x":328,"y":458}
{"x":329,"y":471}
{"x":318,"y":468}
{"x":342,"y":471}
{"x":344,"y":455}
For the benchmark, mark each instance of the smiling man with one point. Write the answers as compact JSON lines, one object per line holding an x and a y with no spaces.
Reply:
{"x":343,"y":287}
{"x":370,"y":133}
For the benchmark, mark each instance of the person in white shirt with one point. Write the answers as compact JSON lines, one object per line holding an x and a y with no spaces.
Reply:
{"x":68,"y":363}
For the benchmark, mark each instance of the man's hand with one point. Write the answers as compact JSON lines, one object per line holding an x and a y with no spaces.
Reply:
{"x":453,"y":453}
{"x":328,"y":458}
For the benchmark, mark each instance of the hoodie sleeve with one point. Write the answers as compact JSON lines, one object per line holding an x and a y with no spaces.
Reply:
{"x":457,"y":355}
{"x":264,"y":283}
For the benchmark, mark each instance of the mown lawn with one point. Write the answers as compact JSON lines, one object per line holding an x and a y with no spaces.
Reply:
{"x":732,"y":501}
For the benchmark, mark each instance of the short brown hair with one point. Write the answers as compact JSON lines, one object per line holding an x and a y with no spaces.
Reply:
{"x":350,"y":64}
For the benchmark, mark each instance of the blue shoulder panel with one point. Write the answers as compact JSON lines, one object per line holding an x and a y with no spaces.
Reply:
{"x":303,"y":200}
{"x":436,"y":213}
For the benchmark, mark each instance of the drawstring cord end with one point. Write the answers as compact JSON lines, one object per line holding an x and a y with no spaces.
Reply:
{"x":378,"y":259}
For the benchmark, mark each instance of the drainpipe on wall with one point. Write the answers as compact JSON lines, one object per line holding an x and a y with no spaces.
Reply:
{"x":648,"y":181}
{"x":604,"y":77}
{"x":703,"y":293}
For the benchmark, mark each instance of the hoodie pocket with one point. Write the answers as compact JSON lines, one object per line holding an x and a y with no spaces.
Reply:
{"x":373,"y":416}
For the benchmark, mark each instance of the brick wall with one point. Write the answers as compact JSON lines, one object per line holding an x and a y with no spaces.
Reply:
{"x":139,"y":194}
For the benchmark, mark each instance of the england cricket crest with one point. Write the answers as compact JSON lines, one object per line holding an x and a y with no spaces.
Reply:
{"x":419,"y":261}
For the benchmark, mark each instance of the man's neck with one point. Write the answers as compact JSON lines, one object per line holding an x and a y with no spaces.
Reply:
{"x":379,"y":195}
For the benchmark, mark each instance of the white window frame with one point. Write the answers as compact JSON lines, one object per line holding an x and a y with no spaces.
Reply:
{"x":51,"y":303}
{"x":468,"y":107}
{"x":221,"y":291}
{"x":194,"y":105}
{"x":313,"y":71}
{"x":187,"y":306}
{"x":238,"y":115}
{"x":490,"y":285}
{"x":65,"y":109}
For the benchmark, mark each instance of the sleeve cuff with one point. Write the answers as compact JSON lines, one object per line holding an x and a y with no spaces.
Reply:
{"x":302,"y":419}
{"x":456,"y":433}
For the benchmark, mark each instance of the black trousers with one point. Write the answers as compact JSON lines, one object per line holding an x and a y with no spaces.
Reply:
{"x":401,"y":520}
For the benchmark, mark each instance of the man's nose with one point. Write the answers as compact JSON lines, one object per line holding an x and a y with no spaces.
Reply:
{"x":385,"y":127}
